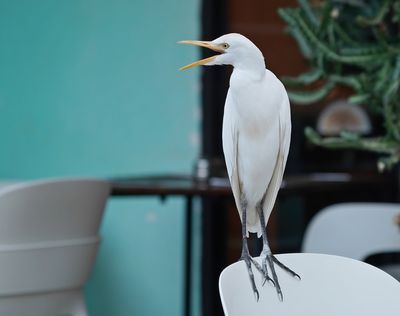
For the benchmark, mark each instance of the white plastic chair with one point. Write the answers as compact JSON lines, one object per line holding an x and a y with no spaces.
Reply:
{"x":330,"y":286}
{"x":5,"y":184}
{"x":355,"y":230}
{"x":48,"y":243}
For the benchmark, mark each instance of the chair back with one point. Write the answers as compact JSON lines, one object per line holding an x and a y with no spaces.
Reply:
{"x":330,"y":286}
{"x":354,"y":230}
{"x":49,"y":233}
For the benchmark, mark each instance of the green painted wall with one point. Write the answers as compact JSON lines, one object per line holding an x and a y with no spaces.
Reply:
{"x":92,"y":88}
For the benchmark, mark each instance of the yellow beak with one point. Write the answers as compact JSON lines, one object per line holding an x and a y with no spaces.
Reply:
{"x":210,"y":45}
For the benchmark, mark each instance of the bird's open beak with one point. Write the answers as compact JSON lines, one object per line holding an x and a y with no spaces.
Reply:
{"x":210,"y":45}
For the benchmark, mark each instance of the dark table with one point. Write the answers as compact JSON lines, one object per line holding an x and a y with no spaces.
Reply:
{"x":189,"y":187}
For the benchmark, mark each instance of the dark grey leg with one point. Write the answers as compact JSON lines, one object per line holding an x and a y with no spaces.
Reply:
{"x":267,"y":255}
{"x":268,"y":259}
{"x":265,"y":250}
{"x":245,"y":250}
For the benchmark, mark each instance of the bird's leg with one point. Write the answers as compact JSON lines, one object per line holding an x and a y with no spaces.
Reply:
{"x":266,"y":250}
{"x":268,"y":259}
{"x":245,"y":256}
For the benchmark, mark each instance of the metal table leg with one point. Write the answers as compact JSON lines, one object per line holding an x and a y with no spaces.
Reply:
{"x":188,"y":256}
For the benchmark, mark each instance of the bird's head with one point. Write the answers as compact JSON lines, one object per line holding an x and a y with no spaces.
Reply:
{"x":235,"y":49}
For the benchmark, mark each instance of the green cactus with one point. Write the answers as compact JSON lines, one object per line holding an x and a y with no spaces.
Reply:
{"x":356,"y":44}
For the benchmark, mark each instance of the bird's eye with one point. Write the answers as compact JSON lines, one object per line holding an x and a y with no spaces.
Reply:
{"x":225,"y":45}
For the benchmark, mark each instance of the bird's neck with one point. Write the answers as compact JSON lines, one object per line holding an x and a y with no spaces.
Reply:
{"x":253,"y":66}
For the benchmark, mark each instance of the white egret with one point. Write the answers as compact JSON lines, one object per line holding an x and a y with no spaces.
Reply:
{"x":256,"y":138}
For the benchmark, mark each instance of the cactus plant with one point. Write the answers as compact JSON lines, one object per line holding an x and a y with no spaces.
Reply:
{"x":354,"y":43}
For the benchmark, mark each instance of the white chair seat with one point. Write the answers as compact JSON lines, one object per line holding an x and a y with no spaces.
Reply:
{"x":46,"y":266}
{"x":330,"y":286}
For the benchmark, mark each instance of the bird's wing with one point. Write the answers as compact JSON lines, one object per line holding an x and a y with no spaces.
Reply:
{"x":230,"y":139}
{"x":284,"y":144}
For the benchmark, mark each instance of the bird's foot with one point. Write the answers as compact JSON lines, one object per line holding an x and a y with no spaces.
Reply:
{"x":248,"y":261}
{"x":268,"y":262}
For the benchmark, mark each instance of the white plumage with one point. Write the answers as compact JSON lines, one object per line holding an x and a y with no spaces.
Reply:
{"x":256,"y":139}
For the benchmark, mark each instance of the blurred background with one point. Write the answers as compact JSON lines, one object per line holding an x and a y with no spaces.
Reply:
{"x":93,"y":88}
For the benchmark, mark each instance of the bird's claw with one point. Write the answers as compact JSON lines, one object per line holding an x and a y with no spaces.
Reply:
{"x":249,"y":260}
{"x":270,"y":281}
{"x":265,"y":273}
{"x":269,"y":260}
{"x":285,"y":268}
{"x":280,"y":296}
{"x":256,"y":295}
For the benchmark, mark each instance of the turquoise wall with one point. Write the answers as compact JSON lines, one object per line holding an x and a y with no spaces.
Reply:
{"x":92,"y":88}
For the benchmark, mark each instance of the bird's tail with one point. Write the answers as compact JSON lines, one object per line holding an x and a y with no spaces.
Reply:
{"x":252,"y":222}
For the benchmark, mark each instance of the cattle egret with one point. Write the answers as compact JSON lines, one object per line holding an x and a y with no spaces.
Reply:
{"x":256,"y":138}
